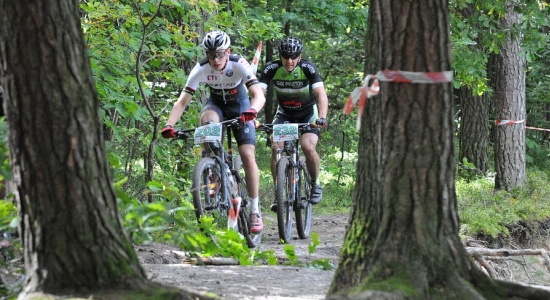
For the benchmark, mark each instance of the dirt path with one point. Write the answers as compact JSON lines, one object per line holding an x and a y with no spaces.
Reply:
{"x":163,"y":264}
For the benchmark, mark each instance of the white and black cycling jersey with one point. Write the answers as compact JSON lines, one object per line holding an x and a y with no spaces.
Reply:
{"x":227,"y":86}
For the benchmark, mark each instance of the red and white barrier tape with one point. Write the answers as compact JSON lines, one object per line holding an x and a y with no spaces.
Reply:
{"x":362,"y":93}
{"x":256,"y":59}
{"x":536,"y":128}
{"x":507,"y":122}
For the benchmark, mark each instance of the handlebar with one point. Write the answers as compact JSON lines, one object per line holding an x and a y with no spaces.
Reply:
{"x":268,"y":128}
{"x":183,"y":134}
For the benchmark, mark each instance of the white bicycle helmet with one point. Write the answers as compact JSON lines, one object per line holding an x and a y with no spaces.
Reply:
{"x":216,"y":40}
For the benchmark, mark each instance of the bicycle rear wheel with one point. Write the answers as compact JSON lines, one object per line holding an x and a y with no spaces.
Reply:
{"x":253,"y":240}
{"x":207,"y":191}
{"x":284,"y":195}
{"x":303,"y":209}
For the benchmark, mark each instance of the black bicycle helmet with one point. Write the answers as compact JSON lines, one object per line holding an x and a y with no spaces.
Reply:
{"x":216,"y":40}
{"x":290,"y":46}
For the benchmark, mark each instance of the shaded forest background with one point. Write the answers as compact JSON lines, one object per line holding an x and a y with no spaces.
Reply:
{"x":141,"y":53}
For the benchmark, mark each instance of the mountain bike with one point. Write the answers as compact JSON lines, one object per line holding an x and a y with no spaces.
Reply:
{"x":218,"y":185}
{"x":293,"y":181}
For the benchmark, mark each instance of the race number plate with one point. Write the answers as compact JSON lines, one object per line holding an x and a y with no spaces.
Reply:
{"x":285,"y":132}
{"x":208,"y":133}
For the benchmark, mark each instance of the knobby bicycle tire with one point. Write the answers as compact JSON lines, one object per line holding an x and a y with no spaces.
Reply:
{"x":253,"y":240}
{"x":207,"y":191}
{"x":284,"y":195}
{"x":303,"y":209}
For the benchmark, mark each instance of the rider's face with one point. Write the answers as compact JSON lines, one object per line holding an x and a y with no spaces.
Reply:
{"x":218,"y":59}
{"x":290,"y":62}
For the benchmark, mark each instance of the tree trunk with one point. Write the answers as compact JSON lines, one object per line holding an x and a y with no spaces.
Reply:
{"x":70,"y":228}
{"x":72,"y":235}
{"x":403,"y":232}
{"x":474,"y":130}
{"x":510,"y":105}
{"x":473,"y":133}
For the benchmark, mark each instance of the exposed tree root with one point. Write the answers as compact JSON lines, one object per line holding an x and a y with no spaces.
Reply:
{"x":481,"y":254}
{"x":515,"y":290}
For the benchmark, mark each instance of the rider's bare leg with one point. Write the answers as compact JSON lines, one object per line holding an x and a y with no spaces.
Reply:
{"x":252,"y":175}
{"x":309,"y":143}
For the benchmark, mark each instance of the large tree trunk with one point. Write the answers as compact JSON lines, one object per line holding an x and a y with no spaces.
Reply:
{"x":510,"y":105}
{"x":70,"y":228}
{"x":403,"y":232}
{"x":72,"y":235}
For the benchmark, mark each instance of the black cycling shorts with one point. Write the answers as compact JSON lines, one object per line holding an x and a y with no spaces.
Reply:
{"x":307,"y":116}
{"x":246,"y":135}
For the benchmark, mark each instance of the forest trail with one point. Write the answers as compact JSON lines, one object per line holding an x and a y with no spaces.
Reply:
{"x":163,"y":264}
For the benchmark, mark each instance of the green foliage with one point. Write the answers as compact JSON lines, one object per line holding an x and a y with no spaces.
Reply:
{"x":291,"y":254}
{"x":321,"y":264}
{"x":5,"y":168}
{"x":486,"y":211}
{"x":157,"y":221}
{"x":467,"y":171}
{"x":8,"y":216}
{"x":314,"y":242}
{"x":173,"y":221}
{"x":537,"y":154}
{"x":8,"y":211}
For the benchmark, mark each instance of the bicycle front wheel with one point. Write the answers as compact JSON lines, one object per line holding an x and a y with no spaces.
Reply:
{"x":253,"y":240}
{"x":303,"y":209}
{"x":284,"y":195}
{"x":207,"y":191}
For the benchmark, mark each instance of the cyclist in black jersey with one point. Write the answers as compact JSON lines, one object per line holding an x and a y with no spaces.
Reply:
{"x":228,"y":76}
{"x":302,"y":98}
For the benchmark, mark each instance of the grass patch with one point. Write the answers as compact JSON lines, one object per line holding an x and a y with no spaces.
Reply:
{"x":485,"y":211}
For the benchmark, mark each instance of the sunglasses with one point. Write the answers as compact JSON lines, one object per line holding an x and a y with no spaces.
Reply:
{"x":215,"y":54}
{"x":293,"y":56}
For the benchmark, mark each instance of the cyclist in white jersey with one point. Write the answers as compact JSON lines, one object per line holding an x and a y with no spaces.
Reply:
{"x":228,"y":76}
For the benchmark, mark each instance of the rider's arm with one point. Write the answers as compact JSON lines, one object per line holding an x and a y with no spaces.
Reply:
{"x":258,"y":97}
{"x":322,"y":101}
{"x":179,"y":108}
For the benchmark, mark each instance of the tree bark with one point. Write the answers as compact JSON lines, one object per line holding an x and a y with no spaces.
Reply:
{"x":403,"y":231}
{"x":73,"y":239}
{"x":510,"y":105}
{"x":71,"y":232}
{"x":473,"y":134}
